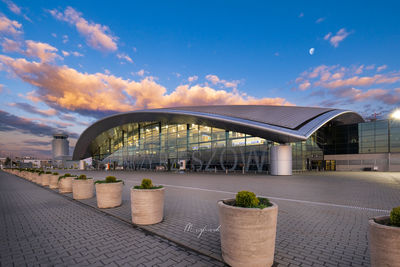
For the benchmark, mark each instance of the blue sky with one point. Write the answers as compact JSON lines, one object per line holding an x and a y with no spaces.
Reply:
{"x":66,"y":64}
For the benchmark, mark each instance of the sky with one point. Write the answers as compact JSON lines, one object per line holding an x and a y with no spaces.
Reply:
{"x":67,"y":64}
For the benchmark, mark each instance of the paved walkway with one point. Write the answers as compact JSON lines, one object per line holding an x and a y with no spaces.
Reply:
{"x":40,"y":227}
{"x":322,"y":221}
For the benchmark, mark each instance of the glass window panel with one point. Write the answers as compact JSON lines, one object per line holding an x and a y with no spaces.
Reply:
{"x":206,"y":145}
{"x":239,"y":142}
{"x":254,"y":141}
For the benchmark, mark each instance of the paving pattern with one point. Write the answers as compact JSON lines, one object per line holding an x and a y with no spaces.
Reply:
{"x":39,"y":227}
{"x":322,"y":219}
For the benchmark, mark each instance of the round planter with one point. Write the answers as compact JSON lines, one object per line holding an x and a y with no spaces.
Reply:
{"x":37,"y":178}
{"x":65,"y":185}
{"x":247,"y":234}
{"x":384,"y":243}
{"x":53,"y":182}
{"x":82,"y":189}
{"x":45,"y":179}
{"x":109,"y":195}
{"x":147,"y":205}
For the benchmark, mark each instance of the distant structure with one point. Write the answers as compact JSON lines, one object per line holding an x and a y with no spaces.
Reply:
{"x":60,"y":146}
{"x":60,"y":149}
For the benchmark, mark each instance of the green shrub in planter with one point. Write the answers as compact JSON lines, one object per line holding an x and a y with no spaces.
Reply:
{"x":147,"y":184}
{"x":82,"y":177}
{"x":395,"y":217}
{"x":48,"y":172}
{"x":55,"y":173}
{"x":246,"y":199}
{"x":65,"y":175}
{"x":111,"y":179}
{"x":41,"y":172}
{"x":108,"y":180}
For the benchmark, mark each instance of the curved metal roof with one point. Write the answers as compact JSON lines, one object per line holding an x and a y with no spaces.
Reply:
{"x":282,"y":124}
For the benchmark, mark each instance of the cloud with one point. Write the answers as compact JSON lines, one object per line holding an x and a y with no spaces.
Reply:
{"x":357,"y":95}
{"x":13,"y":7}
{"x":10,"y":122}
{"x":214,"y":79}
{"x":125,"y":57}
{"x":33,"y":142}
{"x":97,"y":95}
{"x":380,"y":68}
{"x":65,"y":39}
{"x":97,"y":36}
{"x":337,"y":38}
{"x":9,"y":45}
{"x":9,"y":27}
{"x":140,"y":73}
{"x":43,"y":51}
{"x":193,"y":78}
{"x":303,"y":86}
{"x":31,"y":109}
{"x":333,"y":77}
{"x":73,"y":53}
{"x":319,"y":20}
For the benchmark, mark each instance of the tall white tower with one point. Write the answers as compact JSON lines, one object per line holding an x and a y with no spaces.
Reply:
{"x":60,"y":146}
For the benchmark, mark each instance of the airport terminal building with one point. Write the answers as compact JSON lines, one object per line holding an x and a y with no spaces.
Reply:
{"x":241,"y":138}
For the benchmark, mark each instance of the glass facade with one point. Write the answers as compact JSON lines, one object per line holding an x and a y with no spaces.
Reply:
{"x":147,"y":145}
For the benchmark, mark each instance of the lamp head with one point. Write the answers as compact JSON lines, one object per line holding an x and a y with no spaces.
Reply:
{"x":395,"y":114}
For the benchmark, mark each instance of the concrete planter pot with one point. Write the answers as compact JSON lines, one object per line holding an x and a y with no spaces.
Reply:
{"x":384,"y":243}
{"x":147,"y":205}
{"x":37,"y":178}
{"x":53,"y":182}
{"x":65,"y":185}
{"x":109,"y":195}
{"x":82,"y":189}
{"x":247,"y":234}
{"x":45,"y":179}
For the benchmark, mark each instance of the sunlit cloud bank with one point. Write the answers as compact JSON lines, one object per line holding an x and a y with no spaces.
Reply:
{"x":66,"y":89}
{"x":97,"y":36}
{"x":352,"y":84}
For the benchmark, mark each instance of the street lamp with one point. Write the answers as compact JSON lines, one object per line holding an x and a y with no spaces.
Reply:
{"x":395,"y":114}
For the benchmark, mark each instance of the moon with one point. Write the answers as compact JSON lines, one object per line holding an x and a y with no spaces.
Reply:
{"x":311,"y":51}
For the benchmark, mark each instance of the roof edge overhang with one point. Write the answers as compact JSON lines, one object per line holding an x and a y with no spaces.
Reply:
{"x":169,"y":115}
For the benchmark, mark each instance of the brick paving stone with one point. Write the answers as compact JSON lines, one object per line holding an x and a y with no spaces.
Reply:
{"x":42,"y":228}
{"x":308,"y":233}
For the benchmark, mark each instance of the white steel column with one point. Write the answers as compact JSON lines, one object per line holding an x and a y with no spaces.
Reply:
{"x":281,"y":160}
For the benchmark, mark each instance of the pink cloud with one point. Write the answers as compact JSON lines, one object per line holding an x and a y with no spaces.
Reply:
{"x":97,"y":36}
{"x":43,"y":51}
{"x":380,"y":68}
{"x":193,"y":78}
{"x":125,"y":57}
{"x":304,"y":85}
{"x":8,"y":26}
{"x":338,"y":37}
{"x":64,"y":88}
{"x":333,"y":77}
{"x":9,"y":45}
{"x":13,"y":7}
{"x":214,"y":79}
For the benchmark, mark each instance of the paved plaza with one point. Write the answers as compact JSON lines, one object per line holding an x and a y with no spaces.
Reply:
{"x":322,"y":220}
